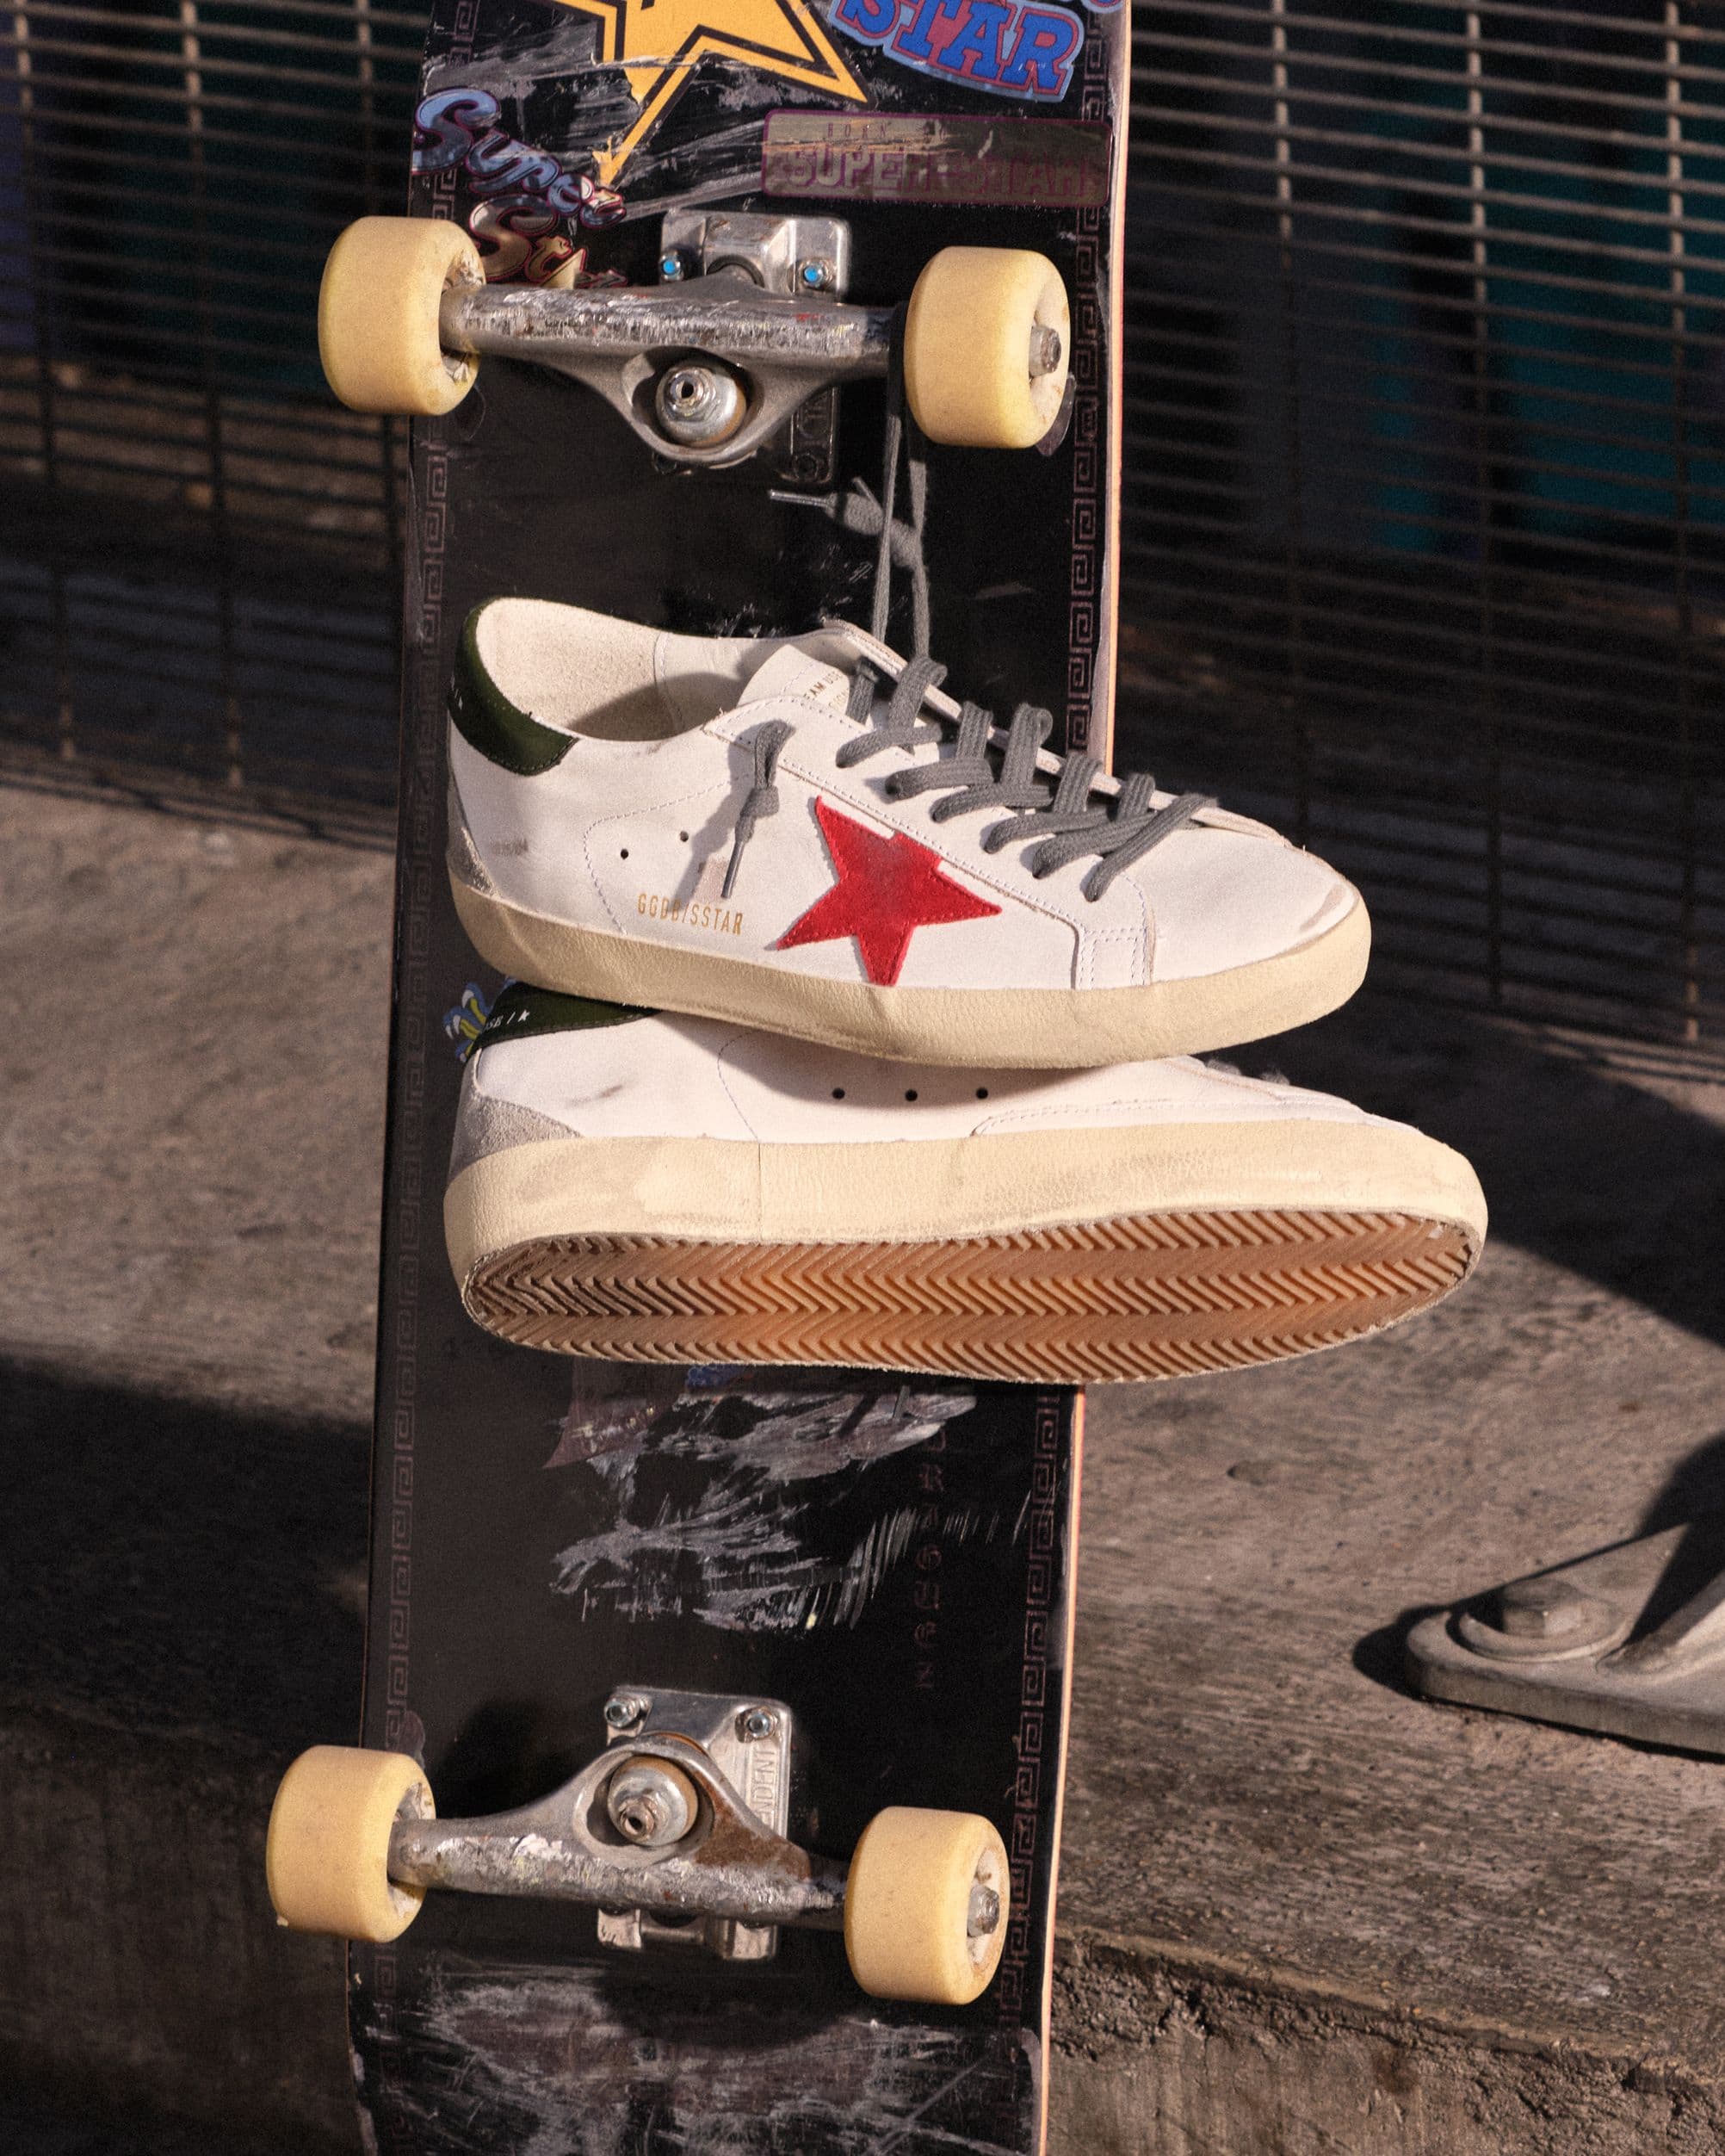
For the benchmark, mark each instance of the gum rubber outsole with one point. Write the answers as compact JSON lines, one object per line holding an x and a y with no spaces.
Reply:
{"x":1138,"y":1296}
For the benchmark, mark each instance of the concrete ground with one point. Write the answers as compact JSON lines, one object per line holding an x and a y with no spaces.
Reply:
{"x":1301,"y":1911}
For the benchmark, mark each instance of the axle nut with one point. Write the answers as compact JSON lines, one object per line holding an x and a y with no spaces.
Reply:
{"x":698,"y":404}
{"x":651,"y":1803}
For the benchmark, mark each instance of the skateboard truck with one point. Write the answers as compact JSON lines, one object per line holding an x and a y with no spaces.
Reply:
{"x":675,"y":1833}
{"x":654,"y":1832}
{"x":708,"y":369}
{"x":749,"y":1743}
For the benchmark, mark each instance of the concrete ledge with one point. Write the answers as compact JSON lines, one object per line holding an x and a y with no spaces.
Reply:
{"x":1164,"y":2052}
{"x":1300,"y":1911}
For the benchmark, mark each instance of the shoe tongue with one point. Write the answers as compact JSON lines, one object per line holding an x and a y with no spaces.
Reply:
{"x":801,"y":668}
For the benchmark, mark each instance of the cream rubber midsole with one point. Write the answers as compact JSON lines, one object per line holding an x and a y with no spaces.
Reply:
{"x":1022,"y":1028}
{"x":728,"y":1190}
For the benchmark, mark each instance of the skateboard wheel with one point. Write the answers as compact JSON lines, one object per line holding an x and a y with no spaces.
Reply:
{"x":377,"y":315}
{"x":987,"y":347}
{"x":922,"y":1889}
{"x":327,"y":1855}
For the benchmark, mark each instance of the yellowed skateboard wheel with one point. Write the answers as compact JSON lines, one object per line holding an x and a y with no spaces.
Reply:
{"x":377,"y":315}
{"x":973,"y":318}
{"x":907,"y":1905}
{"x":327,"y":1856}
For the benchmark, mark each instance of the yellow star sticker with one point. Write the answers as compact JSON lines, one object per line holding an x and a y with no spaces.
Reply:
{"x":660,"y":43}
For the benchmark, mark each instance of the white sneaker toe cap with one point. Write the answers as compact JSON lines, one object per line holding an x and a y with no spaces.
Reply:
{"x":1220,"y":901}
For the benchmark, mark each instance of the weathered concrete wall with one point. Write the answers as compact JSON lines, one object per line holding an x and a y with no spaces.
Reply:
{"x":191,"y":1118}
{"x":1164,"y":2055}
{"x":142,"y":1968}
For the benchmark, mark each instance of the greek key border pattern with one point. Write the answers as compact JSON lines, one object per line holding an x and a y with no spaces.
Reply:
{"x":1087,"y":584}
{"x":1038,"y":1738}
{"x":417,"y":842}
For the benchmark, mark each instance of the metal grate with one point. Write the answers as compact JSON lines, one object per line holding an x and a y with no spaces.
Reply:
{"x":1426,"y":528}
{"x":199,"y":575}
{"x":1425,"y":518}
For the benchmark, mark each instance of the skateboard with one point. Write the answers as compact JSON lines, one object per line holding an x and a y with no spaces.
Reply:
{"x":714,"y":1718}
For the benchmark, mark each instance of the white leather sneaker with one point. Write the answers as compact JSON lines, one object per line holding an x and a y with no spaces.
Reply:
{"x":670,"y":1189}
{"x":805,"y":835}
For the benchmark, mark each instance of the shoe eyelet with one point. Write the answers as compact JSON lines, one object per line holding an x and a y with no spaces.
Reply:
{"x":839,"y":1093}
{"x":982,"y":1093}
{"x":624,"y":854}
{"x":911,"y":1094}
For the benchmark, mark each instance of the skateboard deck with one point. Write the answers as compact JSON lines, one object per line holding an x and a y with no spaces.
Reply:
{"x":877,"y":1568}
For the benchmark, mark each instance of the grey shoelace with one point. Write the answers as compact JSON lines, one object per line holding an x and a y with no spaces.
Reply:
{"x":1058,"y":811}
{"x":1061,"y":811}
{"x":763,"y":797}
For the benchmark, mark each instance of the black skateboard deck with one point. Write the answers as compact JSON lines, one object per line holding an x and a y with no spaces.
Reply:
{"x":893,"y":1558}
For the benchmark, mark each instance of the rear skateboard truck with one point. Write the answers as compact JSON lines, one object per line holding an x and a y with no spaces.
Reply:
{"x":707,"y":370}
{"x":662,"y":1841}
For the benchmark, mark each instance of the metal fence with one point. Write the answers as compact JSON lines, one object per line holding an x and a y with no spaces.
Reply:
{"x":198,"y":572}
{"x":1424,"y":496}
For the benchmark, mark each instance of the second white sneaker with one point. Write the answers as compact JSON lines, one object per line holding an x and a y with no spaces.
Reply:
{"x":660,"y":1189}
{"x":809,"y":837}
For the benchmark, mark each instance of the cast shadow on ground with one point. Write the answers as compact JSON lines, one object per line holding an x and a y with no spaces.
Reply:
{"x":1580,"y":1166}
{"x":179,"y":1565}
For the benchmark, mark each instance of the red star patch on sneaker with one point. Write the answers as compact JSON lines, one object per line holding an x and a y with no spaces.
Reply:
{"x":887,"y":889}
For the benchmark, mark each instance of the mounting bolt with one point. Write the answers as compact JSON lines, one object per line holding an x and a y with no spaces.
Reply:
{"x":671,"y":266}
{"x":1045,"y":349}
{"x":1543,"y":1610}
{"x":1533,"y":1619}
{"x":624,"y":1709}
{"x":985,"y":1910}
{"x":650,"y":1803}
{"x":754,"y":1723}
{"x":814,"y":275}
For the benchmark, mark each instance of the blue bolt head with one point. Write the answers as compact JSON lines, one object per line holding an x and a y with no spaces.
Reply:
{"x":670,"y":265}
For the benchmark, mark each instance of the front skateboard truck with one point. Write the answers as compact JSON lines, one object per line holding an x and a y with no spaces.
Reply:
{"x":707,"y":370}
{"x":657,"y":1836}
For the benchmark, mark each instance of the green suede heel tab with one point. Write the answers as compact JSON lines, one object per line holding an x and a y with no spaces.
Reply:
{"x":485,"y":719}
{"x":521,"y":1012}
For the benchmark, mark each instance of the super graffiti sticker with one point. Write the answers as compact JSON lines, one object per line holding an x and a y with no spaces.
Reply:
{"x":525,"y":196}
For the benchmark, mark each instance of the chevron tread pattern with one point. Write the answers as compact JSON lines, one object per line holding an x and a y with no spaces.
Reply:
{"x":1138,"y":1295}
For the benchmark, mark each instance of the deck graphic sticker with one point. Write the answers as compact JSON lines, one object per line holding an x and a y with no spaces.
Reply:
{"x":659,"y":43}
{"x":525,"y":197}
{"x":1006,"y":47}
